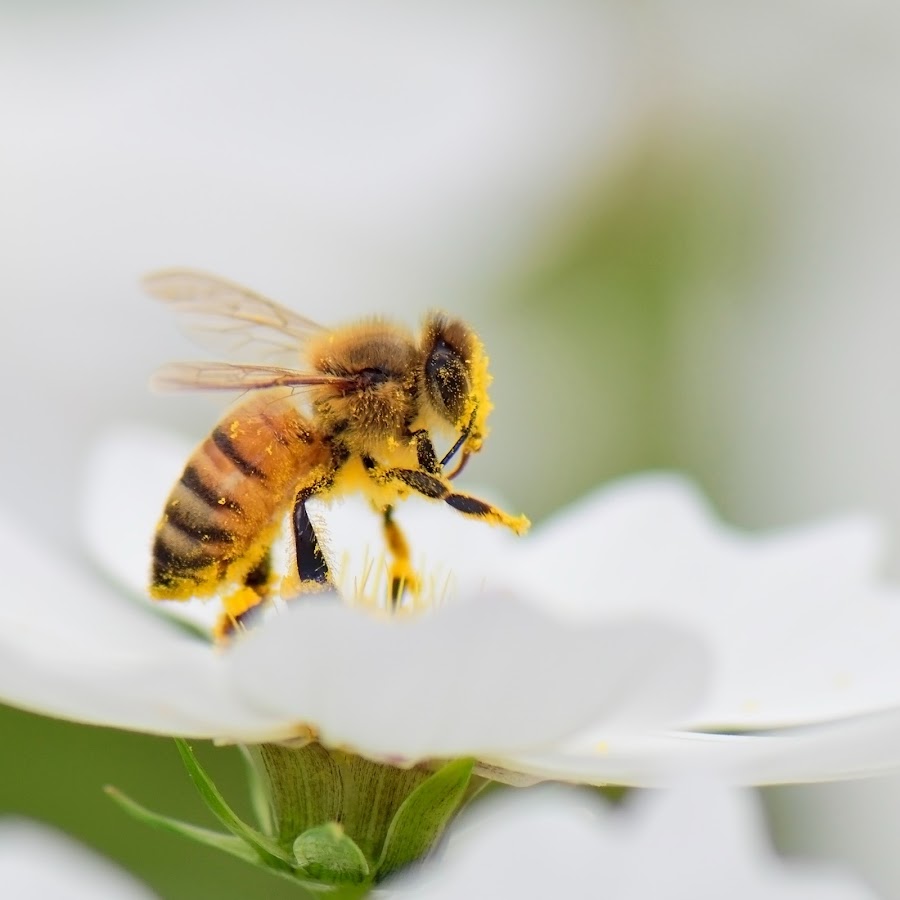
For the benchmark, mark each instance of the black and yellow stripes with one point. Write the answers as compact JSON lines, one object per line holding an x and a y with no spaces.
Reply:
{"x":222,"y":514}
{"x":235,"y":453}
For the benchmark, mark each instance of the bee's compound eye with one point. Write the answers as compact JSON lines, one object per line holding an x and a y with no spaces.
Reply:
{"x":447,"y":380}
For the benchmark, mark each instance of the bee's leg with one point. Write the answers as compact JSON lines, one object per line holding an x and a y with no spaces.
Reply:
{"x":402,"y":576}
{"x":309,"y":572}
{"x":437,"y":488}
{"x":243,"y":605}
{"x":312,"y":569}
{"x":427,"y":458}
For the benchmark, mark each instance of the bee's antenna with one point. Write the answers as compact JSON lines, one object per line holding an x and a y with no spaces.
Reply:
{"x":455,"y":448}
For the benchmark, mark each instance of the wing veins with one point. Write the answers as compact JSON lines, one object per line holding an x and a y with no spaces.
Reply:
{"x":216,"y":313}
{"x":220,"y":376}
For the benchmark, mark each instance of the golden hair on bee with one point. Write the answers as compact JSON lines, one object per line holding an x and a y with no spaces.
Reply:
{"x":327,"y":412}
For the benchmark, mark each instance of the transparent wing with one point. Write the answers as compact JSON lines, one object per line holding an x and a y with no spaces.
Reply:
{"x":219,"y":376}
{"x":232,"y":320}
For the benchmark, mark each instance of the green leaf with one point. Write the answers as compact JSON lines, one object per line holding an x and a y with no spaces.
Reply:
{"x":422,"y":817}
{"x":327,"y":854}
{"x":233,"y":845}
{"x":268,"y":850}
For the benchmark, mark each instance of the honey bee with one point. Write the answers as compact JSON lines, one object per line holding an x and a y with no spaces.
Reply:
{"x":325,"y":412}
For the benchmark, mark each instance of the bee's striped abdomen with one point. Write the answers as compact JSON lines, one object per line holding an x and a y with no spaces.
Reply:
{"x":223,"y":512}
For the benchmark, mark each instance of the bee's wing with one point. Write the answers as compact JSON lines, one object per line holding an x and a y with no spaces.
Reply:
{"x":230,"y":319}
{"x":220,"y":376}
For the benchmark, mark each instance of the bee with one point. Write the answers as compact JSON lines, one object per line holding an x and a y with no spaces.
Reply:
{"x":324,"y":412}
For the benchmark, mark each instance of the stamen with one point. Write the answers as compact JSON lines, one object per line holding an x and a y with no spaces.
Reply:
{"x":369,"y":587}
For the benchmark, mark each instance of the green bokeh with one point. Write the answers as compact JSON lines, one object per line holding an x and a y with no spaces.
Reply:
{"x":614,"y":312}
{"x":55,"y":772}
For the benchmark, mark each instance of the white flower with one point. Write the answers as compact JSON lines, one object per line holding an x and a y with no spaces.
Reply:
{"x":490,"y":678}
{"x":802,"y":633}
{"x":694,"y":841}
{"x":37,"y":862}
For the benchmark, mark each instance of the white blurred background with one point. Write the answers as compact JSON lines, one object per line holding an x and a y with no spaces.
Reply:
{"x":674,"y":224}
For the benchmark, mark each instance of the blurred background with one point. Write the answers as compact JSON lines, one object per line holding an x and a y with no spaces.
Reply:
{"x":675,"y":226}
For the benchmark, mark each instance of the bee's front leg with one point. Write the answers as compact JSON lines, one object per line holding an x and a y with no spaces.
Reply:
{"x":427,"y":458}
{"x":436,"y":487}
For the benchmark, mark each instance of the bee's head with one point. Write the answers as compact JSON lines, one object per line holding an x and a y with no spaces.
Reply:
{"x":455,"y":379}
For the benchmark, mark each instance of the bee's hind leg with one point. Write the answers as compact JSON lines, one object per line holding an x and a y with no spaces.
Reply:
{"x":310,"y":574}
{"x":246,"y":602}
{"x":402,"y":577}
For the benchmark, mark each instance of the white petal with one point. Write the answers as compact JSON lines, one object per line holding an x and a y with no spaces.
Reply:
{"x":488,"y":676}
{"x":800,"y":630}
{"x":644,"y":760}
{"x":861,"y":747}
{"x":72,"y":648}
{"x":45,"y":593}
{"x":167,"y":690}
{"x":37,"y":862}
{"x":695,"y":841}
{"x":635,"y":533}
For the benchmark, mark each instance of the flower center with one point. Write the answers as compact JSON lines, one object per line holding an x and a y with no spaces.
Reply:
{"x":379,"y":586}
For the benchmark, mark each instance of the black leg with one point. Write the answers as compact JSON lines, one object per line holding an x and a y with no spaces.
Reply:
{"x":437,"y":488}
{"x":311,"y":564}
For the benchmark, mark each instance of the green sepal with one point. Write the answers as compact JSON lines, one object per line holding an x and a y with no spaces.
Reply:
{"x":270,"y":853}
{"x":226,"y":842}
{"x":423,"y":815}
{"x":328,"y":855}
{"x":259,"y":798}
